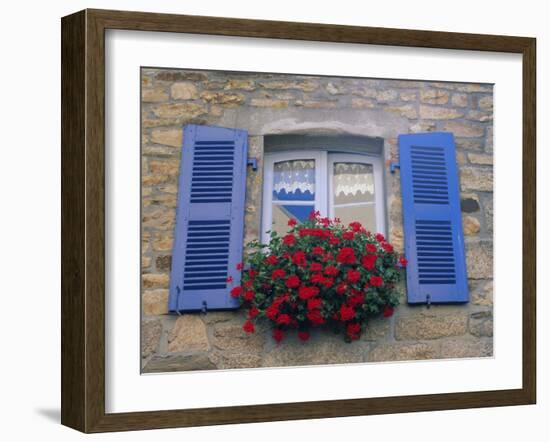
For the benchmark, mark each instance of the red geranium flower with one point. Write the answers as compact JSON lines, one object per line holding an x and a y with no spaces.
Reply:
{"x":328,"y":282}
{"x":289,"y":240}
{"x":253,"y":312}
{"x":403,"y":261}
{"x":278,"y":273}
{"x":299,"y":258}
{"x":331,"y":271}
{"x":249,"y":295}
{"x":341,"y":288}
{"x":229,"y":279}
{"x":346,"y":255}
{"x":355,"y":225}
{"x":272,"y":259}
{"x":240,"y":266}
{"x":317,"y":278}
{"x":308,"y":292}
{"x":353,"y":330}
{"x":369,"y":261}
{"x":292,"y":282}
{"x":316,"y":267}
{"x":292,"y":222}
{"x":314,"y":303}
{"x":387,"y":247}
{"x":353,"y":276}
{"x":333,"y":240}
{"x":303,"y":336}
{"x":248,"y":326}
{"x":318,"y":250}
{"x":376,"y":281}
{"x":315,"y":317}
{"x":356,"y":299}
{"x":283,"y":319}
{"x":348,"y":235}
{"x":278,"y":335}
{"x":388,"y":311}
{"x":314,"y":214}
{"x":379,"y":237}
{"x":236,"y":291}
{"x":272,"y":311}
{"x":346,"y":312}
{"x":371,"y":248}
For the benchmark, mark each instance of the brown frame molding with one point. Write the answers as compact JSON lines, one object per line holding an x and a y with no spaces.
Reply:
{"x":83,"y":216}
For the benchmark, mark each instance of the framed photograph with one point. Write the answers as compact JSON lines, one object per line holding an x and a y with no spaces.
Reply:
{"x":269,"y":220}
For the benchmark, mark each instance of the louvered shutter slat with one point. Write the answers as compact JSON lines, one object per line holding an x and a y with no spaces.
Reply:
{"x":434,"y":241}
{"x":209,"y":218}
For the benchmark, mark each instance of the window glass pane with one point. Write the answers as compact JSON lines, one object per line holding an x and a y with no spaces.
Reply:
{"x":353,"y":183}
{"x":294,"y":180}
{"x":365,"y":214}
{"x":282,"y":213}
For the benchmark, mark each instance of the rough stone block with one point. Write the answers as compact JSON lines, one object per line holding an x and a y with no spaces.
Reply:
{"x":464,"y":129}
{"x":151,"y":330}
{"x":184,"y":91}
{"x":230,"y":336}
{"x":302,"y":85}
{"x":430,"y":326}
{"x":361,"y":103}
{"x":230,"y":359}
{"x":470,"y":225}
{"x":241,"y":84}
{"x":407,"y":111}
{"x":485,"y":102}
{"x":479,"y":260}
{"x":377,"y":330}
{"x":155,"y":280}
{"x":439,"y":113}
{"x":404,"y":352}
{"x":322,"y":348}
{"x":459,"y":100}
{"x":170,"y":363}
{"x":179,"y":110}
{"x":222,"y":97}
{"x":154,"y":95}
{"x":476,"y":178}
{"x":434,"y":96}
{"x":479,"y":158}
{"x":482,"y":294}
{"x":267,"y":102}
{"x":481,"y":324}
{"x":466,"y":348}
{"x":188,"y":335}
{"x":155,"y":302}
{"x":170,"y":137}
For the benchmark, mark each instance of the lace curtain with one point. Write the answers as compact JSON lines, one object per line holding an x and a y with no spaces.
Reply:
{"x":294,"y":176}
{"x":351,"y":178}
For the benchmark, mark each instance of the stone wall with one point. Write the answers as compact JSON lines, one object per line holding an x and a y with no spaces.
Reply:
{"x":267,"y":104}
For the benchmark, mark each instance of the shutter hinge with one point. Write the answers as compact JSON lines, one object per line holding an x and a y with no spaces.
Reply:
{"x":394,"y":165}
{"x":428,"y":301}
{"x":252,"y":162}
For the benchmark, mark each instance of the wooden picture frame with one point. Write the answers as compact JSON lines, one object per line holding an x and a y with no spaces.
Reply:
{"x":83,"y":220}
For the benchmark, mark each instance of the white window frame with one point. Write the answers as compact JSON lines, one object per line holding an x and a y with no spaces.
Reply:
{"x":323,"y":202}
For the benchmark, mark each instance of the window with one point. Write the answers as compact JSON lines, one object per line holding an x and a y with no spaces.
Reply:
{"x":343,"y":185}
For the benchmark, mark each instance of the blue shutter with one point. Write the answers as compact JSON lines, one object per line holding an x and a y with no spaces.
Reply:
{"x":208,"y":238}
{"x":434,"y":241}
